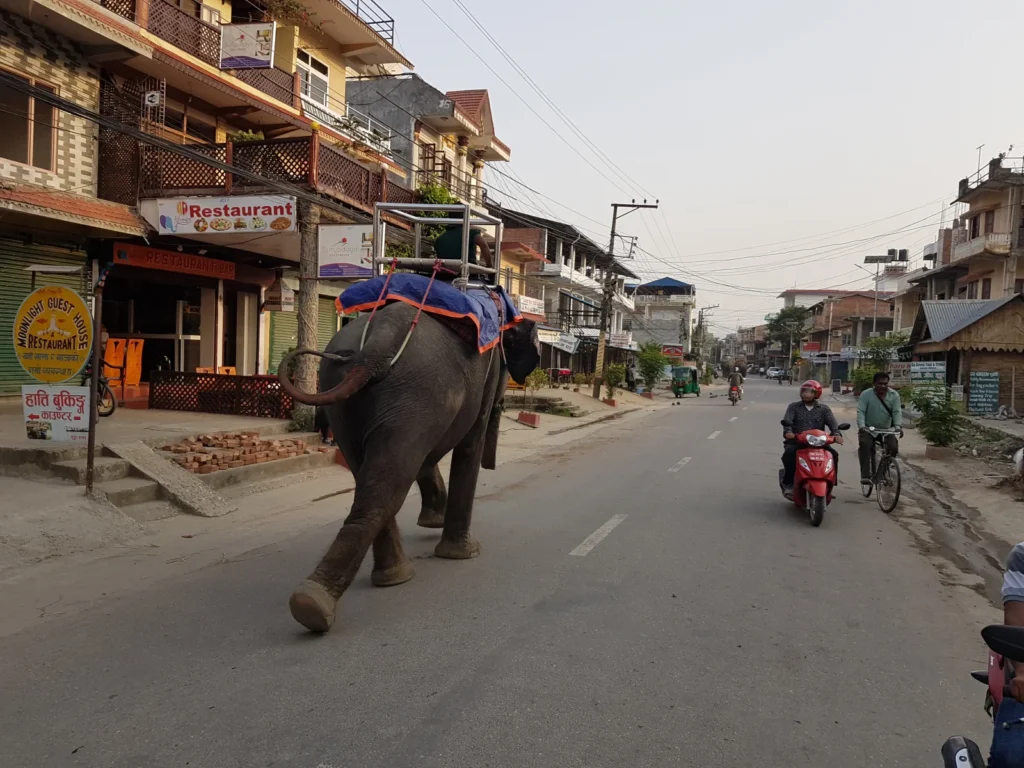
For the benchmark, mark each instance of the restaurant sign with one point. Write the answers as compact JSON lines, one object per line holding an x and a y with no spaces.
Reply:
{"x":130,"y":255}
{"x":53,"y":334}
{"x":226,"y":215}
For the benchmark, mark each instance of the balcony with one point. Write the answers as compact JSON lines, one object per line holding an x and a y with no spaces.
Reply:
{"x":1000,"y":173}
{"x":462,"y":185}
{"x":305,"y":161}
{"x":993,"y":243}
{"x":566,"y":277}
{"x":373,"y":16}
{"x":679,"y":300}
{"x":624,"y":301}
{"x":350,"y":122}
{"x":183,"y":30}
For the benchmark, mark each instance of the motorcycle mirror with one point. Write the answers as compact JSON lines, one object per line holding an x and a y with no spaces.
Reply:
{"x":1005,"y":640}
{"x":843,"y":426}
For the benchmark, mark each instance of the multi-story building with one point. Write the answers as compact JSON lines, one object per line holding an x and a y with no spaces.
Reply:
{"x":438,"y":137}
{"x":264,"y":95}
{"x":664,"y":312}
{"x":754,"y":342}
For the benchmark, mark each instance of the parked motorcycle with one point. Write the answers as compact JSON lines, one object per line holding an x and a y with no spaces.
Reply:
{"x":1006,"y":646}
{"x":734,"y":394}
{"x":815,"y":472}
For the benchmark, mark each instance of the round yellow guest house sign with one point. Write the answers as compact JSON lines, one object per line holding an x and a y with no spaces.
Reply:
{"x":53,"y":334}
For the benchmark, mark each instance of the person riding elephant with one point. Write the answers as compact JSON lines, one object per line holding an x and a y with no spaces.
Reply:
{"x":393,"y":422}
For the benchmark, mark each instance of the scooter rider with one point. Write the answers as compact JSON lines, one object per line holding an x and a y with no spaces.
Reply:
{"x":736,"y":380}
{"x":808,"y":413}
{"x":1008,"y":742}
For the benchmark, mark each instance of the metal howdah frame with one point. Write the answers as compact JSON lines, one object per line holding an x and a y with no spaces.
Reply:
{"x":462,"y":214}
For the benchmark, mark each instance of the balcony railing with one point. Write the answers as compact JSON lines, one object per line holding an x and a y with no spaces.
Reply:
{"x":185,"y":31}
{"x":274,"y":82}
{"x":992,"y":242}
{"x":461,"y":185}
{"x":304,"y":161}
{"x":349,"y":122}
{"x":642,"y":299}
{"x":373,"y":16}
{"x":125,"y":8}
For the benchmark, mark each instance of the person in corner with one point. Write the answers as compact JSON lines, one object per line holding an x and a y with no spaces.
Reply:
{"x":449,"y":245}
{"x":878,"y":407}
{"x":1008,"y":741}
{"x":807,"y":413}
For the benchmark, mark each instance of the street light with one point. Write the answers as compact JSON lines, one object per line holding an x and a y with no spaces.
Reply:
{"x":878,"y":261}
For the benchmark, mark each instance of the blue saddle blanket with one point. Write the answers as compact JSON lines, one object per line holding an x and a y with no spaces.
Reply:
{"x":476,"y":305}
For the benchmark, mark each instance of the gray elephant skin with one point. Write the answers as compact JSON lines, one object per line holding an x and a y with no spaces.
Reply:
{"x":393,"y":424}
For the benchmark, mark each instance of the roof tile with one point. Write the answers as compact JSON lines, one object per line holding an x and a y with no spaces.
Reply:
{"x":78,"y":206}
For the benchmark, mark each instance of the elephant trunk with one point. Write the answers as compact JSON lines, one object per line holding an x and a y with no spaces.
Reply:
{"x":355,"y":379}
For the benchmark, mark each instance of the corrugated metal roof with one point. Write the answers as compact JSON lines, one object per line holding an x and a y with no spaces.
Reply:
{"x":945,"y":318}
{"x":666,"y":282}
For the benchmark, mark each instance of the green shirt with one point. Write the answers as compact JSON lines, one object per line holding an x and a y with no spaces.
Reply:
{"x":449,"y":244}
{"x":871,"y":412}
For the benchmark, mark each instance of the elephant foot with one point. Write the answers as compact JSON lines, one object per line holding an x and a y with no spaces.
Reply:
{"x":463,"y":549}
{"x":430,"y":518}
{"x":392,"y":577}
{"x":313,"y":606}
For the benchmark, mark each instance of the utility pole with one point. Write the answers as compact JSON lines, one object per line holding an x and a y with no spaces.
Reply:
{"x":609,"y":290}
{"x":1010,"y":270}
{"x":307,"y":300}
{"x":828,"y":340}
{"x":878,"y":261}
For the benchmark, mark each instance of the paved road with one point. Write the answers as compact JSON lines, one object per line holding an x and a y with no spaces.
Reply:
{"x":710,"y":626}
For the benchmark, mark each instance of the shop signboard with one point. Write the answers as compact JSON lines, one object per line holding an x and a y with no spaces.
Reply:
{"x":129,"y":255}
{"x":345,"y":251}
{"x":247,"y":46}
{"x":243,"y":214}
{"x":620,"y":340}
{"x":567,"y":343}
{"x":60,"y":414}
{"x":529,"y":305}
{"x":899,"y":375}
{"x":53,"y":334}
{"x":929,"y":375}
{"x":807,"y":347}
{"x":672,"y":350}
{"x":983,"y":395}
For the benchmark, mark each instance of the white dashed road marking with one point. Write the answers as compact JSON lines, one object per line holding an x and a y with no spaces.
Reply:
{"x":597,"y":536}
{"x":679,"y":465}
{"x":734,"y":418}
{"x":714,"y":434}
{"x":744,"y":407}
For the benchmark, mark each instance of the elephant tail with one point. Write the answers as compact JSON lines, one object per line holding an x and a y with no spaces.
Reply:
{"x":364,"y":370}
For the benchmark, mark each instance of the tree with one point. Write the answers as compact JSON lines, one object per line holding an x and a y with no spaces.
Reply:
{"x":614,"y":376}
{"x":433,"y":194}
{"x":878,"y":351}
{"x":651,"y":363}
{"x":788,"y":323}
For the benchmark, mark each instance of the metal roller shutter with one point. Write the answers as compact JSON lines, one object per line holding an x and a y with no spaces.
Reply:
{"x":327,"y":322}
{"x":284,"y":331}
{"x":15,"y":285}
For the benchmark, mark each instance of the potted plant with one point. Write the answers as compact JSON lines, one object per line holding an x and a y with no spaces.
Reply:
{"x":613,"y":378}
{"x":652,"y":366}
{"x":536,"y":381}
{"x":941,"y":421}
{"x":578,"y":380}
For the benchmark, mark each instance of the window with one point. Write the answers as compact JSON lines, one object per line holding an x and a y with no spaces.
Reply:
{"x":209,"y":15}
{"x":1018,"y":286}
{"x":975,"y":227}
{"x":847,"y":340}
{"x":972,"y":289}
{"x":428,"y":152}
{"x":29,"y":127}
{"x":314,"y":77}
{"x":990,"y":222}
{"x":986,"y":288}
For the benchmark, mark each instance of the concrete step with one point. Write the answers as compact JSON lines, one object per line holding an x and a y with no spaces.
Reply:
{"x":252,"y":473}
{"x":105,"y":468}
{"x":126,"y":491}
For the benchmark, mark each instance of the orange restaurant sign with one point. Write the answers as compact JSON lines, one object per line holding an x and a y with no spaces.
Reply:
{"x":171,"y":261}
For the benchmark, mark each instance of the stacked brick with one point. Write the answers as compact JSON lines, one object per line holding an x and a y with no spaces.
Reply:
{"x":210,"y":453}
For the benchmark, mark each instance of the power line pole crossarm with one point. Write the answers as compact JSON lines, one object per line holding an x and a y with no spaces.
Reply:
{"x":609,"y":290}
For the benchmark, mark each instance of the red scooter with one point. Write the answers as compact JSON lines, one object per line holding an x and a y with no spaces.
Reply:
{"x":734,"y":394}
{"x":815,"y":472}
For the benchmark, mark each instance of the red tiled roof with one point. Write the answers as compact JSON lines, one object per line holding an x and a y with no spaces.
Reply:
{"x":85,"y":209}
{"x":521,"y":249}
{"x":471,"y":103}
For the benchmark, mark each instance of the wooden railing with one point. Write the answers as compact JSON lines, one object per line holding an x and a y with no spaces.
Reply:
{"x":185,"y":31}
{"x":274,"y":82}
{"x":304,"y":161}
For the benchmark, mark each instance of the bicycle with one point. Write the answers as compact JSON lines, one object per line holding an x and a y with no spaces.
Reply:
{"x":106,"y":403}
{"x":885,"y":474}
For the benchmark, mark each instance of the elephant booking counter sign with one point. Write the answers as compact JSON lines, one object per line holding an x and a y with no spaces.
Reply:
{"x":53,"y":334}
{"x":60,"y":414}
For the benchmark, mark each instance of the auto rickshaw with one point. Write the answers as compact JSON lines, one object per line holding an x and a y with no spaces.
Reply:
{"x":685,"y":381}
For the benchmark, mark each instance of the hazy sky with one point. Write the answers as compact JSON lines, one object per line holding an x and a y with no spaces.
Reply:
{"x":808,"y":124}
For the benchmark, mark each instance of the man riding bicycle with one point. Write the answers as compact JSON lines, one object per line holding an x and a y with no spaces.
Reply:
{"x":880,"y":408}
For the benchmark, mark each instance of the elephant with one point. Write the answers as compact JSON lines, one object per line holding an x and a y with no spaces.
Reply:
{"x":393,"y":421}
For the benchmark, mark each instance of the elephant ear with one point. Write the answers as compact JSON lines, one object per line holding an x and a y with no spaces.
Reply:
{"x":522,"y":350}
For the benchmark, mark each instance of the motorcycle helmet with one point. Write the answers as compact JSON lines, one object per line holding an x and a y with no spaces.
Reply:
{"x":812,"y":385}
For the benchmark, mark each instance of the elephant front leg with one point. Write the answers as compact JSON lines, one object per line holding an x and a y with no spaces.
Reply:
{"x":434,"y":498}
{"x":456,"y":543}
{"x":378,"y":497}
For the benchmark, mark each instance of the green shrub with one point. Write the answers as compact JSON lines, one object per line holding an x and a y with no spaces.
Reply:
{"x":651,"y":363}
{"x":942,"y":421}
{"x":862,"y":377}
{"x":614,"y":377}
{"x":537,"y":380}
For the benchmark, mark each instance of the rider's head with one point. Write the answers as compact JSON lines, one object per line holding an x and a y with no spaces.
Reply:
{"x":736,"y":369}
{"x":810,"y":391}
{"x":881,"y":383}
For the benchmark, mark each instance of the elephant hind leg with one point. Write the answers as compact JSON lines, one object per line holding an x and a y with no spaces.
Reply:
{"x":390,"y":565}
{"x":380,"y":492}
{"x":434,"y":497}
